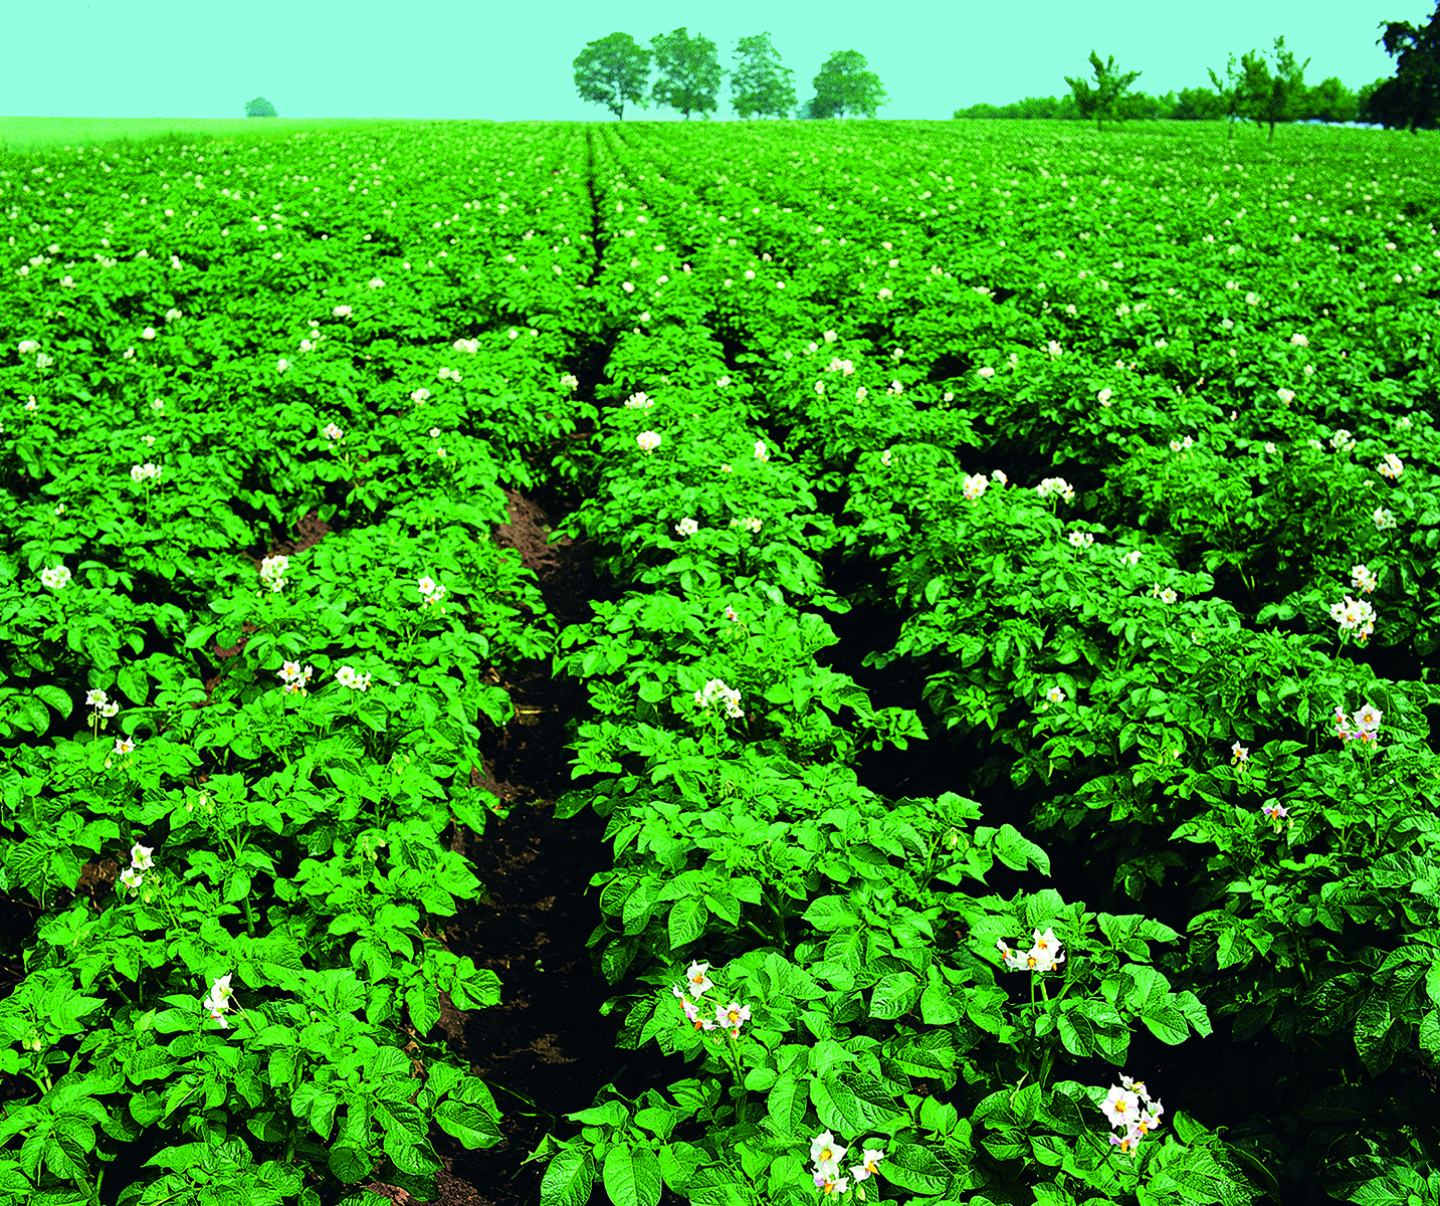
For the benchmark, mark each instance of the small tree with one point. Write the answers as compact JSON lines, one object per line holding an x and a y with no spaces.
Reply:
{"x":1100,"y":99}
{"x":1274,"y":85}
{"x":260,"y":107}
{"x":1231,"y":90}
{"x":689,"y":72}
{"x":760,"y":85}
{"x":845,"y":84}
{"x":613,"y":72}
{"x":1412,"y":98}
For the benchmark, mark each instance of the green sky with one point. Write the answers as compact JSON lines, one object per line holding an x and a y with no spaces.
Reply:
{"x":453,"y":58}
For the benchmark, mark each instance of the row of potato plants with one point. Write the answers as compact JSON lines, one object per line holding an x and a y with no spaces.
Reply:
{"x":261,"y":413}
{"x":828,"y":971}
{"x":1073,"y":637}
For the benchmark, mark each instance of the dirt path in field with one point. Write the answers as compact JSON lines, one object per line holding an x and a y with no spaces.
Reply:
{"x":544,"y":1049}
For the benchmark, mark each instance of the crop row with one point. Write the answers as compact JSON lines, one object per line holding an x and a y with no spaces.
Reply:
{"x":260,"y":438}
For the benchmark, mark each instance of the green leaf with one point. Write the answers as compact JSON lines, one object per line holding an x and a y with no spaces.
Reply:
{"x":831,"y":913}
{"x":569,"y":1179}
{"x":687,"y":922}
{"x":56,"y":697}
{"x":135,"y":684}
{"x":916,"y":1168}
{"x":474,"y":1127}
{"x":632,"y":1176}
{"x":786,"y":1104}
{"x":349,"y":1164}
{"x":423,"y":1002}
{"x":1017,"y":851}
{"x":896,"y":994}
{"x":1166,"y":1023}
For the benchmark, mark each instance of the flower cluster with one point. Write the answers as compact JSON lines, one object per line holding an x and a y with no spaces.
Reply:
{"x":1363,"y":726}
{"x":1391,"y":467}
{"x":1183,"y":445}
{"x":101,"y":706}
{"x":570,"y":381}
{"x":640,"y":401}
{"x":1354,"y":615}
{"x":272,"y":571}
{"x":144,"y":473}
{"x":1273,"y":810}
{"x":715,"y":691}
{"x":296,"y":677}
{"x":331,"y":432}
{"x":761,"y":454}
{"x":1130,"y":1107}
{"x":1383,"y":518}
{"x":687,"y":527}
{"x":218,"y":1000}
{"x":826,"y":1155}
{"x":348,"y":677}
{"x":1044,"y":956}
{"x":140,"y":862}
{"x":751,"y":523}
{"x":1081,"y":540}
{"x":729,"y":1018}
{"x":974,"y":486}
{"x":1053,"y":487}
{"x":431,"y":592}
{"x":648,"y":441}
{"x":1363,"y":580}
{"x":123,"y":745}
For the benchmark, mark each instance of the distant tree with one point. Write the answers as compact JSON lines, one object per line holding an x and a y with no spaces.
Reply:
{"x":260,"y":107}
{"x":1198,"y":104}
{"x":846,"y":85}
{"x":760,"y":85}
{"x":1412,"y":98}
{"x":1274,"y":85}
{"x":689,"y":72}
{"x":613,"y":71}
{"x":1099,"y":100}
{"x":1230,"y":90}
{"x":1329,"y":100}
{"x":1141,"y":106}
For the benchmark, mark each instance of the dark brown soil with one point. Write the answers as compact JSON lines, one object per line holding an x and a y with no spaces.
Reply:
{"x":545,"y":1049}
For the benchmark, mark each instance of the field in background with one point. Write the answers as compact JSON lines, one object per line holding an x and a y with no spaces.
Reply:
{"x":30,"y":133}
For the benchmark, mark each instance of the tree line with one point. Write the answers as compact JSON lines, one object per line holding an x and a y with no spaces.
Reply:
{"x":615,"y":71}
{"x":1266,"y":87}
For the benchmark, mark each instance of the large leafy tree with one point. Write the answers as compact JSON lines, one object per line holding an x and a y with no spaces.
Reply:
{"x":688,"y":72}
{"x":1273,"y":86}
{"x":1100,"y":98}
{"x":613,"y":72}
{"x":259,"y":107}
{"x":845,"y":85}
{"x":760,"y":85}
{"x":1412,"y":98}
